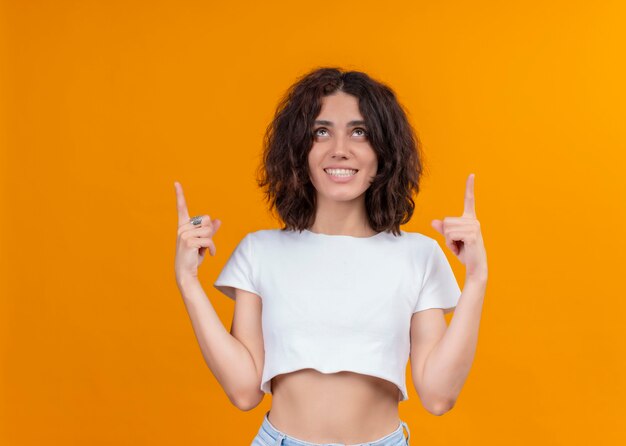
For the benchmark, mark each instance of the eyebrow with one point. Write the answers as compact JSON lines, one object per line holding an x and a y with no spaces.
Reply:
{"x":349,"y":124}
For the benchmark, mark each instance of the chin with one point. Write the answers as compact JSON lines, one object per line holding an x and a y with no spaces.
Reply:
{"x":342,"y":195}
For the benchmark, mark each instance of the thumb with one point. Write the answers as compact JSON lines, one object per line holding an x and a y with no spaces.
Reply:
{"x":216,"y":225}
{"x":438,"y":225}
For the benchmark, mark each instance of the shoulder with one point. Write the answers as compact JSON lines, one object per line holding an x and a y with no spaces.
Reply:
{"x":264,"y":237}
{"x":417,"y":239}
{"x":419,"y":246}
{"x":263,"y":234}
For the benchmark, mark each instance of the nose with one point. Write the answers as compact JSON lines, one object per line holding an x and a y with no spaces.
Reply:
{"x":338,"y":155}
{"x":340,"y":148}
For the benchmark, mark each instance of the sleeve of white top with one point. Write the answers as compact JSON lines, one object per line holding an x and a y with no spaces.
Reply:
{"x":237,"y":272}
{"x":439,"y":287}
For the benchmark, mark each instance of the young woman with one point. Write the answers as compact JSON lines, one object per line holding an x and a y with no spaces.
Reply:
{"x":329,"y":308}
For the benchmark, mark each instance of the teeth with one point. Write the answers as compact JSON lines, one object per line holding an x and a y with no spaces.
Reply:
{"x":340,"y":172}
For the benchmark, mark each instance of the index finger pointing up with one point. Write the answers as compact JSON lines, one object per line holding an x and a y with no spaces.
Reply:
{"x":469,"y":210}
{"x":181,"y":205}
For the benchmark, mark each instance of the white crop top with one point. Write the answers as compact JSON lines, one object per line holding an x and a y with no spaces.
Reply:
{"x":337,"y":302}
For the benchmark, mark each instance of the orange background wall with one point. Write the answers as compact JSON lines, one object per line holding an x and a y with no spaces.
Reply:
{"x":106,"y":103}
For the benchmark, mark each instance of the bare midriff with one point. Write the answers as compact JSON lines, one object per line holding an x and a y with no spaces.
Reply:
{"x":341,"y":407}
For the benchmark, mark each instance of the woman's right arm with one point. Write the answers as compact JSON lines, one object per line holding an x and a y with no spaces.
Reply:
{"x":229,"y":360}
{"x":227,"y":357}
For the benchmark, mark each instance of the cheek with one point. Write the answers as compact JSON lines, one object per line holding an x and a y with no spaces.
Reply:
{"x":373,"y":159}
{"x":312,"y":158}
{"x":314,"y":164}
{"x":373,"y":166}
{"x":314,"y":173}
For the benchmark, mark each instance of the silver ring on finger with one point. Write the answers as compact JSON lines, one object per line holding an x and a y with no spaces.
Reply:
{"x":197,"y":220}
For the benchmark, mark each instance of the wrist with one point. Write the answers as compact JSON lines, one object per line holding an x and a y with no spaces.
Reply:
{"x":476,"y":279}
{"x":185,"y":281}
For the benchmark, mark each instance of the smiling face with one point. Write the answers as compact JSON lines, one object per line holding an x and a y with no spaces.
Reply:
{"x":341,"y":140}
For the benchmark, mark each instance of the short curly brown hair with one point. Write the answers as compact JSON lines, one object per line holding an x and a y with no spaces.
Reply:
{"x":284,"y":170}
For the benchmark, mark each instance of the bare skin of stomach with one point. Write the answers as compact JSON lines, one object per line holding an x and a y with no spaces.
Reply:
{"x":341,"y":407}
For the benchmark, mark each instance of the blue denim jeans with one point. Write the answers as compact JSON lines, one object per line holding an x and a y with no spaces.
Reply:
{"x":268,"y":435}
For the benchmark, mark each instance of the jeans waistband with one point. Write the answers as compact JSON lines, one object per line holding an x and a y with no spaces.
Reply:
{"x":273,"y":437}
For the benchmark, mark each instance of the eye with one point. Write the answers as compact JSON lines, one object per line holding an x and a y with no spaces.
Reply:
{"x":359,"y":129}
{"x":318,"y":129}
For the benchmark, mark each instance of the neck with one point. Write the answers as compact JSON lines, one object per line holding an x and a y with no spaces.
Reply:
{"x":342,"y":218}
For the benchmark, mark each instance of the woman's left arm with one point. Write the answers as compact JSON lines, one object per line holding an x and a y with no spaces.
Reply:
{"x":450,"y":361}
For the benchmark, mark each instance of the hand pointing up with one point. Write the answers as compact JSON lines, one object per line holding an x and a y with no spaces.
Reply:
{"x":192,"y":240}
{"x":463,"y":236}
